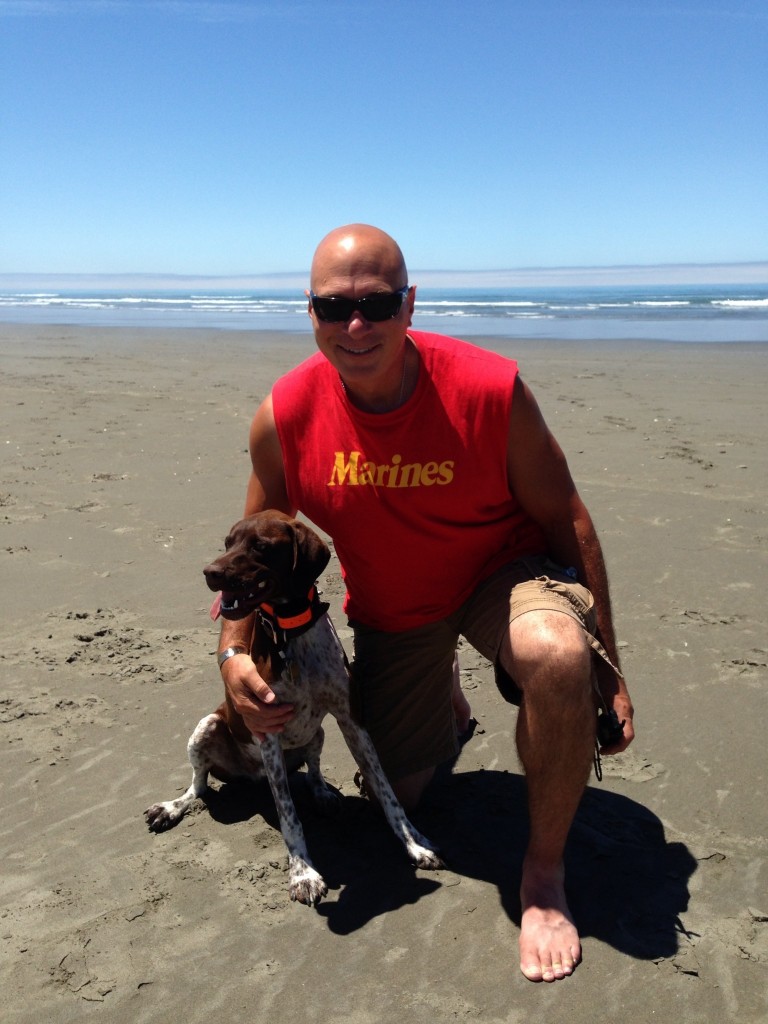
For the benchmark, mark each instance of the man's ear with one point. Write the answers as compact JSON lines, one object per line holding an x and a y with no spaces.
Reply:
{"x":411,"y":300}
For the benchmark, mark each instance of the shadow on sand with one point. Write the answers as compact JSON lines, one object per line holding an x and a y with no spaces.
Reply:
{"x":627,"y":886}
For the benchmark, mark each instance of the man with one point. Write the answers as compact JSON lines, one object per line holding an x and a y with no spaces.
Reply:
{"x":428,"y":462}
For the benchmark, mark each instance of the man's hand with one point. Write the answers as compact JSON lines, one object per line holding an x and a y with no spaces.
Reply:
{"x":622,"y":705}
{"x":252,"y":698}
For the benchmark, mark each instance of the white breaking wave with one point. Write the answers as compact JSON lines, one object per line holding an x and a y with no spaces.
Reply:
{"x":487,"y":303}
{"x":662,"y":302}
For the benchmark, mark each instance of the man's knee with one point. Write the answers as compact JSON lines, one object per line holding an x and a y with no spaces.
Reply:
{"x":548,"y":645}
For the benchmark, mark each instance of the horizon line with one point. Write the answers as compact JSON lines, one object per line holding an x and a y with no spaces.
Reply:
{"x":740,"y":272}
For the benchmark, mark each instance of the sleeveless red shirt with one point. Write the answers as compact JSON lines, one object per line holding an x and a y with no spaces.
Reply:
{"x":416,"y":500}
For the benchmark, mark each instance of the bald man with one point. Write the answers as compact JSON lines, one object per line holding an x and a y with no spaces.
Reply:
{"x":453,"y":513}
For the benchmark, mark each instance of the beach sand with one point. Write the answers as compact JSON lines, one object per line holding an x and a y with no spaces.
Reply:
{"x":124,"y":465}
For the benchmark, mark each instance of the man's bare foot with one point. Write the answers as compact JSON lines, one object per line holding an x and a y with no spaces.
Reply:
{"x":549,"y":943}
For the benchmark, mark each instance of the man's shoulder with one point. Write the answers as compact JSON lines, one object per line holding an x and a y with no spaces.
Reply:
{"x":442,"y":351}
{"x":295,"y":393}
{"x":440,"y":342}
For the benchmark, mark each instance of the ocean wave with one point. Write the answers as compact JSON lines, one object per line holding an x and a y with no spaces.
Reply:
{"x":640,"y":303}
{"x":728,"y":313}
{"x":235,"y":302}
{"x":246,"y":300}
{"x":428,"y":309}
{"x":490,"y":303}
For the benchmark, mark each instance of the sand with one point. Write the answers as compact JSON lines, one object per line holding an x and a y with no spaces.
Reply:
{"x":124,"y":465}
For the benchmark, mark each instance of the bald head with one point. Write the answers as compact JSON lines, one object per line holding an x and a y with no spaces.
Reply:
{"x":357,"y":251}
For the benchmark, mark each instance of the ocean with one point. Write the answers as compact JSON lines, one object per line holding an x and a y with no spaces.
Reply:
{"x":681,"y":313}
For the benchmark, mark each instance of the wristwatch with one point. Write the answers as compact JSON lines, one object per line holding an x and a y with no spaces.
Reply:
{"x":230,"y":652}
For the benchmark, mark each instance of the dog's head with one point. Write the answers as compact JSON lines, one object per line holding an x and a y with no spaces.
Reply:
{"x":269,"y":557}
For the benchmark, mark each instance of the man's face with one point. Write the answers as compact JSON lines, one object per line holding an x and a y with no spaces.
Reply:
{"x":364,"y":352}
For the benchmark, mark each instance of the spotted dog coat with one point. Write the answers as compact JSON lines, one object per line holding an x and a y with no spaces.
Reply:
{"x":271,"y":563}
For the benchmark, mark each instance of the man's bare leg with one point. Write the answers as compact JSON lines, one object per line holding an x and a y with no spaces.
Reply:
{"x":410,"y":789}
{"x":548,"y":657}
{"x":461,"y":709}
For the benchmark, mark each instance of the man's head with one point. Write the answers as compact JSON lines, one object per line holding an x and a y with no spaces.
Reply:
{"x":353,"y":251}
{"x":361,"y":326}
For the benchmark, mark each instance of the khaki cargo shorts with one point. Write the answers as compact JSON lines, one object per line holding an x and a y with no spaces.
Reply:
{"x":401,"y":682}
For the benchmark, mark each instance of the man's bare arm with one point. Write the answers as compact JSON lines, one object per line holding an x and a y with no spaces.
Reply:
{"x":541,"y":480}
{"x":250,"y":694}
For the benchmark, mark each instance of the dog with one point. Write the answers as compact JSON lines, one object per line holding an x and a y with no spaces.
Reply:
{"x":270,"y":566}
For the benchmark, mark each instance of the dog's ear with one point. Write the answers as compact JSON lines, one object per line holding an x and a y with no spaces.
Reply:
{"x":310,"y":555}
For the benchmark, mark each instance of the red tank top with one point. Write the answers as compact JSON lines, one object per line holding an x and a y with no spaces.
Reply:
{"x":416,"y":500}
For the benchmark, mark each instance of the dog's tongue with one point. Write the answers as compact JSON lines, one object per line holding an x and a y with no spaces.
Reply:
{"x":216,"y":607}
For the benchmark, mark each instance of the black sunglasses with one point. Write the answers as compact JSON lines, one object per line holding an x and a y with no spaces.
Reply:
{"x":335,"y":309}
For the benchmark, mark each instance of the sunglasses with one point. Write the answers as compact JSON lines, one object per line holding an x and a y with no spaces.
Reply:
{"x":335,"y":309}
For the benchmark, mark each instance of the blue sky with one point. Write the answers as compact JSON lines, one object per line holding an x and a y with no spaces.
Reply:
{"x":226,"y":137}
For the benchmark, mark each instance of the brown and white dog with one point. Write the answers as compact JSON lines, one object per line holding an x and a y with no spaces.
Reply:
{"x":270,"y":566}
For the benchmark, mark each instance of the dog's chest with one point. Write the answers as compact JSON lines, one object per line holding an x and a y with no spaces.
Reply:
{"x":313,"y":679}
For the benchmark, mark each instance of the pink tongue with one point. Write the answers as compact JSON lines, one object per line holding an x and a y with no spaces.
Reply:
{"x":216,"y":607}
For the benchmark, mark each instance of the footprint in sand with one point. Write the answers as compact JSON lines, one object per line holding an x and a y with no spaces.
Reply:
{"x":632,"y":767}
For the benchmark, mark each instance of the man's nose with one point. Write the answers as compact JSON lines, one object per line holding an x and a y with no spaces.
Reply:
{"x":357,"y":323}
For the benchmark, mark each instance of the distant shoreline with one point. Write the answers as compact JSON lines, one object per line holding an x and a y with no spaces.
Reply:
{"x":746,"y":273}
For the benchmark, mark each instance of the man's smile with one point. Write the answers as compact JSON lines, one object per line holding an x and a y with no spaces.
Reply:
{"x":357,"y":351}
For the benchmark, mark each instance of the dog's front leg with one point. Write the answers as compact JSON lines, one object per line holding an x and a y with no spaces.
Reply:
{"x":305,"y":884}
{"x":360,"y":744}
{"x":162,"y":816}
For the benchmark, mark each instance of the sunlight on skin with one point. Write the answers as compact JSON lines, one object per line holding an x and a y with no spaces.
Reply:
{"x":549,"y":943}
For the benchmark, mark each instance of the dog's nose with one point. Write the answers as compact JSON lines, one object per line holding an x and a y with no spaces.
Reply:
{"x":213,"y":576}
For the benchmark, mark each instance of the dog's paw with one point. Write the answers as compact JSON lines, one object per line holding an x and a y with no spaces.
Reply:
{"x":160,"y":817}
{"x":425,"y":857}
{"x":306,"y":885}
